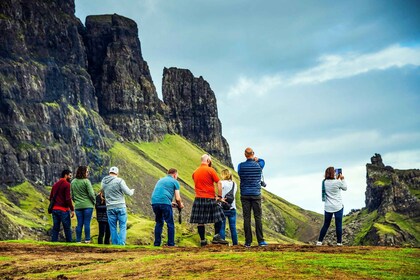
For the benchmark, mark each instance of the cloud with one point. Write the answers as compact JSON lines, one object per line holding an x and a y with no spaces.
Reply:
{"x":332,"y":67}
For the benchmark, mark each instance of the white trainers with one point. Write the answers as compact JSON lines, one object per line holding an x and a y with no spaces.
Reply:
{"x":318,"y":243}
{"x":339,"y":244}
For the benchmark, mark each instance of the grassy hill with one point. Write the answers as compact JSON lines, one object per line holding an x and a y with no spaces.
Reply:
{"x":23,"y":207}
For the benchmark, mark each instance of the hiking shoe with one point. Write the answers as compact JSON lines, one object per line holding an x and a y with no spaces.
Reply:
{"x":318,"y":243}
{"x":203,"y":243}
{"x":217,"y":239}
{"x":87,"y":241}
{"x":262,"y":244}
{"x":247,"y":245}
{"x":339,"y":244}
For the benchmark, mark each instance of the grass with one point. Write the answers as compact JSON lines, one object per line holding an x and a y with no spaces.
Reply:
{"x":36,"y":260}
{"x":384,"y":229}
{"x":405,"y":223}
{"x":368,"y":219}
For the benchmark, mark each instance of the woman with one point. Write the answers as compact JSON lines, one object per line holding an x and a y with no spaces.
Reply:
{"x":229,"y":188}
{"x":331,"y":194}
{"x":84,"y":201}
{"x":102,"y":218}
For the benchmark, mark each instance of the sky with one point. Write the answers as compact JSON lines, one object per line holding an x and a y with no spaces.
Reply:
{"x":306,"y":84}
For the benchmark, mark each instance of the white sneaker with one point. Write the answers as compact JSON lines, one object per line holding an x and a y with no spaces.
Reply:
{"x":339,"y":244}
{"x":318,"y":243}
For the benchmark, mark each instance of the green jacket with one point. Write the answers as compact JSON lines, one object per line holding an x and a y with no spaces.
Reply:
{"x":82,"y":193}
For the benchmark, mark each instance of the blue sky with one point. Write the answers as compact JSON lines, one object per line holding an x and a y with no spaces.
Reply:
{"x":307,"y":84}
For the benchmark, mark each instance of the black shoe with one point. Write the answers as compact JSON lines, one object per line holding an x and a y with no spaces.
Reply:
{"x":203,"y":243}
{"x":217,"y":239}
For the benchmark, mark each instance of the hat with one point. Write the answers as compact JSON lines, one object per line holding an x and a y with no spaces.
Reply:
{"x":114,"y":170}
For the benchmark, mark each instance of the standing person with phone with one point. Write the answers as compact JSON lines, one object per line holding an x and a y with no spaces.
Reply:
{"x":331,"y":194}
{"x":250,"y":173}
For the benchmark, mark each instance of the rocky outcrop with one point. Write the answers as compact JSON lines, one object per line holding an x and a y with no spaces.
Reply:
{"x":47,"y":99}
{"x":126,"y":95}
{"x":193,"y":111}
{"x":388,"y":189}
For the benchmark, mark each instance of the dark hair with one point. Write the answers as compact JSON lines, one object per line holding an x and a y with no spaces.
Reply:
{"x":329,"y":173}
{"x":65,"y":172}
{"x":172,"y":171}
{"x":81,"y":172}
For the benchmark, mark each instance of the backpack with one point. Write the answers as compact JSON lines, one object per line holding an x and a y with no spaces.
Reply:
{"x":229,"y":198}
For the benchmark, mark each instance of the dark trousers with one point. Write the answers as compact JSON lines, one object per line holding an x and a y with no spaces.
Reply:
{"x":338,"y":216}
{"x":61,"y":217}
{"x":164,"y":213}
{"x":252,"y":203}
{"x":104,"y":233}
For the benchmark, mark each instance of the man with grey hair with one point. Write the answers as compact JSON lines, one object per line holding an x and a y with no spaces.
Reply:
{"x":114,"y":189}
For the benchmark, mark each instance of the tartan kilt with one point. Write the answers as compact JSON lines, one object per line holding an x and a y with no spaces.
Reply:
{"x":206,"y":211}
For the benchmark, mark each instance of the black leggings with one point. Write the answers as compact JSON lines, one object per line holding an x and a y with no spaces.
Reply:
{"x":338,"y":216}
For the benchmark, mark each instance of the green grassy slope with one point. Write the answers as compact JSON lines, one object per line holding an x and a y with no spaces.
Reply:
{"x":141,"y":165}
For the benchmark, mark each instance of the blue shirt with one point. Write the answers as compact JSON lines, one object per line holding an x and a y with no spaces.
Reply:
{"x":164,"y":191}
{"x":250,"y":173}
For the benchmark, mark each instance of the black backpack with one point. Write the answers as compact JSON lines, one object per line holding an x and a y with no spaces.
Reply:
{"x":229,"y":198}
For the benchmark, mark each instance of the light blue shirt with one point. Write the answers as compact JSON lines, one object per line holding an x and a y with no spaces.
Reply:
{"x":164,"y":191}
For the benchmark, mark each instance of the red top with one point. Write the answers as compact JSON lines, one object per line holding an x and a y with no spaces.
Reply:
{"x":204,"y":178}
{"x":63,"y":198}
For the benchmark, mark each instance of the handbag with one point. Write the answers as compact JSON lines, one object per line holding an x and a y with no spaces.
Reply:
{"x":229,"y":198}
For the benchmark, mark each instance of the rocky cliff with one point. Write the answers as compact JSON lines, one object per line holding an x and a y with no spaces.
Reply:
{"x":47,"y":99}
{"x":68,"y":92}
{"x":126,"y":95}
{"x":193,"y":111}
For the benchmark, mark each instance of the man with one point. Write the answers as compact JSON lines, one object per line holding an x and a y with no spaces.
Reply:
{"x":114,"y":189}
{"x":63,"y":209}
{"x":205,"y":209}
{"x":250,"y":173}
{"x":162,"y":196}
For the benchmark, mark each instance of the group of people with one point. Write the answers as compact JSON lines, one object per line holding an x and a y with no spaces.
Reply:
{"x":214,"y":203}
{"x":109,"y":203}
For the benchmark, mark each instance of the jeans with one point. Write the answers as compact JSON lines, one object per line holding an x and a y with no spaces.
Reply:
{"x":103,"y":231}
{"x":117,"y":217}
{"x":163,"y":213}
{"x":338,"y":216}
{"x":252,"y":203}
{"x":231,"y":216}
{"x":61,"y":217}
{"x":84,"y":216}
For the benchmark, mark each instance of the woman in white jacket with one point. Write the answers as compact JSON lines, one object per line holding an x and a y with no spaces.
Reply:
{"x":331,"y":195}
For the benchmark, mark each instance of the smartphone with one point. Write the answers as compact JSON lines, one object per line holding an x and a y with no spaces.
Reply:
{"x":338,"y":171}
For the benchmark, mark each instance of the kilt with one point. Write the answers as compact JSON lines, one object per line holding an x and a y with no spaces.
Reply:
{"x":206,"y":211}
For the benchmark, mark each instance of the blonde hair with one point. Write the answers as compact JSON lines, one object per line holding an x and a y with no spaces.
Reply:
{"x":226,"y":174}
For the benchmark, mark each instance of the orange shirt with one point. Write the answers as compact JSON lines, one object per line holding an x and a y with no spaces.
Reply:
{"x":204,"y":178}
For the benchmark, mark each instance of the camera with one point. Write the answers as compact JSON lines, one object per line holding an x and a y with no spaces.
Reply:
{"x":263,"y":184}
{"x":338,"y":172}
